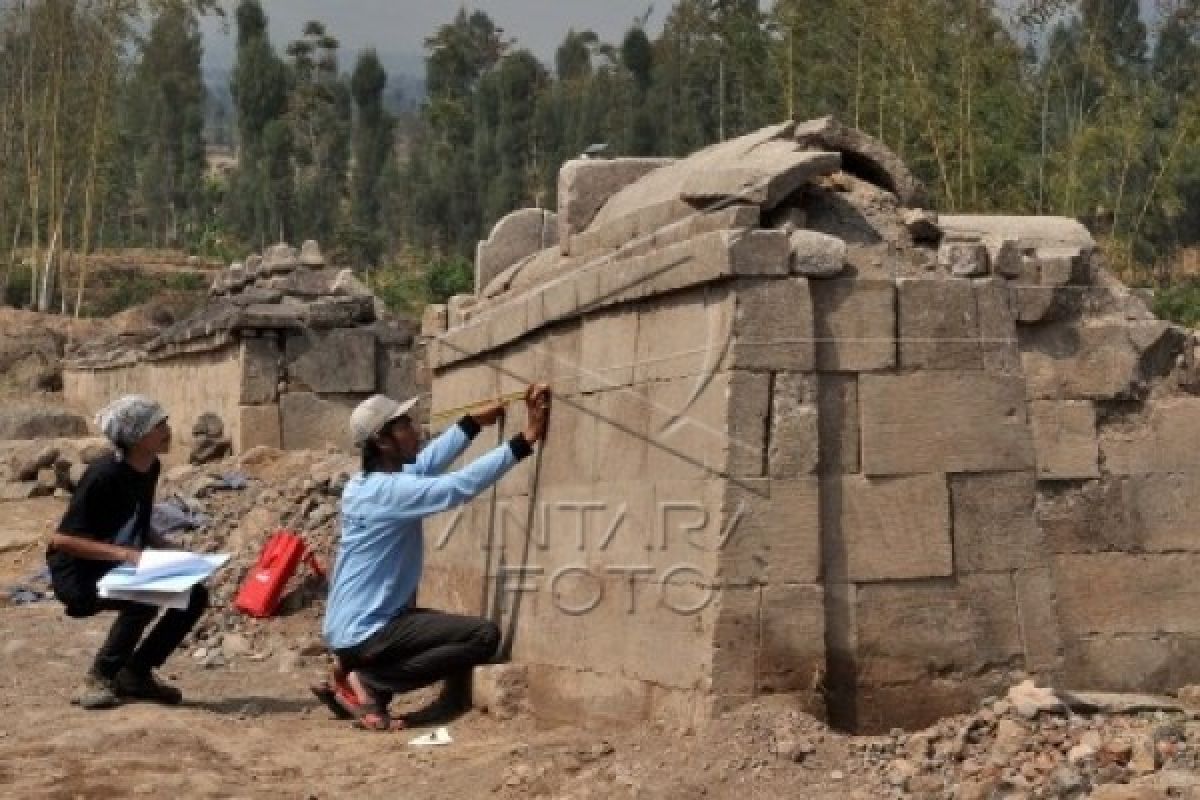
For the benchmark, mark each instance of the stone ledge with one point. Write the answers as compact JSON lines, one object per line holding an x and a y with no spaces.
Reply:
{"x":704,"y":259}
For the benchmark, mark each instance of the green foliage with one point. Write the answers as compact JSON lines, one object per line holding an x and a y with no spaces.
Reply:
{"x":126,"y":290}
{"x":1180,"y":304}
{"x":185,"y":282}
{"x":448,"y":276}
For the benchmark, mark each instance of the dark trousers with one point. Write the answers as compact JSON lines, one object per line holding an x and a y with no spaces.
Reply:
{"x":421,"y":647}
{"x":122,"y":648}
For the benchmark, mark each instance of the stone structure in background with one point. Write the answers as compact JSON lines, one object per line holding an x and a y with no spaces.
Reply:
{"x":810,"y":438}
{"x":284,"y":349}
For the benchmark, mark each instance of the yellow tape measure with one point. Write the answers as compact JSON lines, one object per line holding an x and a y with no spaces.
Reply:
{"x":460,"y":410}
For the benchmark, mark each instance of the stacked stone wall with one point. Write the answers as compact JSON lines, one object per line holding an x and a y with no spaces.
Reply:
{"x":911,"y":459}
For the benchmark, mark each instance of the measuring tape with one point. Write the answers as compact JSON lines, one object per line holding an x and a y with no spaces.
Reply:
{"x":504,"y":399}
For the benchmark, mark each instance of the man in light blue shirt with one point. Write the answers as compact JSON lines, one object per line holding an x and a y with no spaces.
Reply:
{"x":383,"y":642}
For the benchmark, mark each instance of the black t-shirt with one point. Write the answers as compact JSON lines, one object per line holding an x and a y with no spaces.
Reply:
{"x":111,"y":504}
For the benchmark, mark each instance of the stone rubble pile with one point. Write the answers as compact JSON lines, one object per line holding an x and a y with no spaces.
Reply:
{"x":294,"y":491}
{"x":1032,"y":744}
{"x":1038,"y":744}
{"x":46,"y":467}
{"x":283,"y":289}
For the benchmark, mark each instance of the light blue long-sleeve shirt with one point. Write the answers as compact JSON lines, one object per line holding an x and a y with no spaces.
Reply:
{"x":381,"y":552}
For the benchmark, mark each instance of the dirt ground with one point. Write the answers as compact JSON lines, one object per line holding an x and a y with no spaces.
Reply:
{"x":250,"y":729}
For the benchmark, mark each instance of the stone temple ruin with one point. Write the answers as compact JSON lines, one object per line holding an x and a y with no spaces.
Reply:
{"x":283,"y":350}
{"x":811,"y":439}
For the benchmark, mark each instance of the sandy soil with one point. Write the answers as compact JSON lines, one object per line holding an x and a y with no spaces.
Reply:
{"x":251,"y":729}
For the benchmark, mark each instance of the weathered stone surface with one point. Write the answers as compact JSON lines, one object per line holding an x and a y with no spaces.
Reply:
{"x":1060,"y":266}
{"x":855,"y":325}
{"x":792,"y":646}
{"x":1004,"y":255}
{"x":310,"y":255}
{"x":311,"y":422}
{"x":1064,"y":438}
{"x":767,"y":532}
{"x":703,"y":428}
{"x":943,"y":421}
{"x":938,"y":325}
{"x":205,"y":451}
{"x":434,"y":320}
{"x":27,"y":466}
{"x":1037,"y":609}
{"x":514,"y":237}
{"x":260,"y":358}
{"x":336,"y":361}
{"x":278,"y":259}
{"x":568,"y":454}
{"x":509,"y":321}
{"x":864,"y":156}
{"x":1152,"y":513}
{"x":793,"y":448}
{"x":963,"y":258}
{"x":764,"y":178}
{"x":557,"y":357}
{"x":1097,"y":359}
{"x":397,"y":371}
{"x":685,"y":333}
{"x":657,"y":192}
{"x":1141,"y":593}
{"x":887,"y":528}
{"x":341,"y":312}
{"x":42,"y":422}
{"x":345,"y":282}
{"x":637,"y":232}
{"x":1148,"y":662}
{"x":994,"y":525}
{"x":817,"y":255}
{"x":208,"y":426}
{"x":259,"y":427}
{"x":908,"y":632}
{"x":998,"y":341}
{"x":585,"y":185}
{"x":608,"y":350}
{"x":1166,"y":442}
{"x":773,"y":325}
{"x":269,"y":316}
{"x":1030,"y":232}
{"x":922,"y":225}
{"x":500,"y":689}
{"x":307,"y":284}
{"x":837,"y":401}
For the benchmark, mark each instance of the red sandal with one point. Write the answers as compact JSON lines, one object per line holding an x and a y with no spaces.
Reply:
{"x":329,"y":696}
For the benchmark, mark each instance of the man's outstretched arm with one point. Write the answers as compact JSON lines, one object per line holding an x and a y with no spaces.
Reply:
{"x":440,"y":453}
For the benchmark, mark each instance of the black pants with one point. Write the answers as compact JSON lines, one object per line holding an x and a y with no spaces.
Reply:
{"x":122,"y":648}
{"x":77,"y":591}
{"x":421,"y":647}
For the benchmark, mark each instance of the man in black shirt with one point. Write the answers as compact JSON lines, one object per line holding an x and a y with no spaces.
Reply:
{"x":106,"y":524}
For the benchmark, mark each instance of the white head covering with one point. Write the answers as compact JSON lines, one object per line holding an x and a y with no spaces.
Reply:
{"x":369,"y":417}
{"x":123,"y":422}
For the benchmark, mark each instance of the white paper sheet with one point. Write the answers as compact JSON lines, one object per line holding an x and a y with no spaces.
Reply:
{"x":161,"y":578}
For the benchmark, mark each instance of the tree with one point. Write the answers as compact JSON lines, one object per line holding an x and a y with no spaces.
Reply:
{"x":319,"y":112}
{"x":372,"y":156}
{"x":166,"y":114}
{"x":260,"y":197}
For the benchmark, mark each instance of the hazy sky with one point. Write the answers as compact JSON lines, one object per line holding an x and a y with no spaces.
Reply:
{"x":399,"y":27}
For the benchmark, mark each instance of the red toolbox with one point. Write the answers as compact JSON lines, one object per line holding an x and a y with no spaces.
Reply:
{"x":264,"y":584}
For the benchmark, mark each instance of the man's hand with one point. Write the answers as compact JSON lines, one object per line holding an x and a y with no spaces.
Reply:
{"x":537,"y":406}
{"x":489,"y":415}
{"x":132,"y":556}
